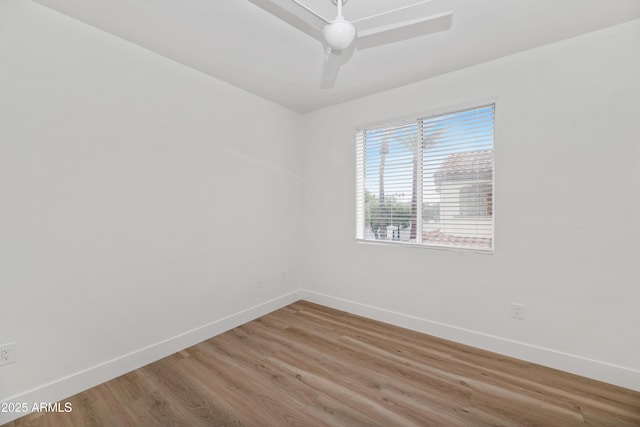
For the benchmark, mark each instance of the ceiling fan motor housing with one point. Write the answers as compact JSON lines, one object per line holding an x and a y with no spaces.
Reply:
{"x":339,"y":34}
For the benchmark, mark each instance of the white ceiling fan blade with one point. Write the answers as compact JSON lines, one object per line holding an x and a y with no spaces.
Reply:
{"x":403,"y":31}
{"x":402,"y":15}
{"x":330,"y":68}
{"x":296,"y":14}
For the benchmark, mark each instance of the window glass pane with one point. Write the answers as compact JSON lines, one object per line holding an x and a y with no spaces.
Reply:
{"x":390,"y":159}
{"x":458,"y":179}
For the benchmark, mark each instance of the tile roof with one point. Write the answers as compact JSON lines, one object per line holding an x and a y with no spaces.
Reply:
{"x":467,"y":165}
{"x":436,"y":237}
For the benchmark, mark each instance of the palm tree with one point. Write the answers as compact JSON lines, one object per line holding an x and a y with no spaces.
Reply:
{"x":416,"y":145}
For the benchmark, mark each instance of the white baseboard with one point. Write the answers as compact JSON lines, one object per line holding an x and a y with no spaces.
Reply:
{"x":63,"y":388}
{"x":595,"y":369}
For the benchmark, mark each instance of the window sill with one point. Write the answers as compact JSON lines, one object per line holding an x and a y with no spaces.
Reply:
{"x":414,"y":245}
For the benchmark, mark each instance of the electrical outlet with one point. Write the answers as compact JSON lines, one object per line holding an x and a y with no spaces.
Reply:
{"x":7,"y":353}
{"x":517,"y":310}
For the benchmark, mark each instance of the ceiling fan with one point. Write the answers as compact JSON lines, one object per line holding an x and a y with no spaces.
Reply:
{"x":340,"y":36}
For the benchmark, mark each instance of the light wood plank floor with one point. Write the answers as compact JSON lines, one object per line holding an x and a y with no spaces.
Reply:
{"x":309,"y":365}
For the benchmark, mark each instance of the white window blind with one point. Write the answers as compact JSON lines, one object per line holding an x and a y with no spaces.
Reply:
{"x":428,"y":181}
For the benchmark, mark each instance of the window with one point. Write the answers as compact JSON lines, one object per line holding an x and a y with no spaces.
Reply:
{"x":428,"y":181}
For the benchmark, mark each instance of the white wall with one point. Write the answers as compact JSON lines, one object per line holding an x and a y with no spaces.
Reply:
{"x":567,"y":208}
{"x":127,"y":183}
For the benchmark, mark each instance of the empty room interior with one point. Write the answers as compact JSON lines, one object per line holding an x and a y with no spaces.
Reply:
{"x":319,"y":212}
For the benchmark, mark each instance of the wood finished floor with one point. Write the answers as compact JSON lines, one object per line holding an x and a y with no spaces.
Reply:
{"x":309,"y":365}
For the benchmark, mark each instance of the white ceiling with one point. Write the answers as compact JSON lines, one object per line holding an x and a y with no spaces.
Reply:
{"x":236,"y":41}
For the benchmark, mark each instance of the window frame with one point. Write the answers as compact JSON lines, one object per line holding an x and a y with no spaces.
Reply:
{"x":419,"y":118}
